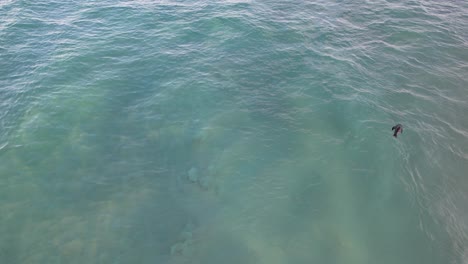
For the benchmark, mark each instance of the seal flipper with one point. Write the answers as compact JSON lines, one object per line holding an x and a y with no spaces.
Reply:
{"x":393,"y":128}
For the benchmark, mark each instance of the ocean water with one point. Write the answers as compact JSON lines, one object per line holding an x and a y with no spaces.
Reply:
{"x":233,"y":132}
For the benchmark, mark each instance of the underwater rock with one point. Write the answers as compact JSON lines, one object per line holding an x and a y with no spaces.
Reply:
{"x":183,"y":247}
{"x":193,"y":174}
{"x":177,"y":249}
{"x":204,"y":182}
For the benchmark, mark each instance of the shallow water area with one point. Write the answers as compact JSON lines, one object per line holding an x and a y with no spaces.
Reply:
{"x":233,"y":132}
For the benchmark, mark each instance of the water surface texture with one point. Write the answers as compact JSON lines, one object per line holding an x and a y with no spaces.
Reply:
{"x":233,"y":132}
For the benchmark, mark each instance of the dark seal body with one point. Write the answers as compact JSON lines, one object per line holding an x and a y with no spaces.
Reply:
{"x":396,"y":129}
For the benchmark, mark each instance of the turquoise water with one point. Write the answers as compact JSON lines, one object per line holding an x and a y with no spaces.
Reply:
{"x":233,"y":132}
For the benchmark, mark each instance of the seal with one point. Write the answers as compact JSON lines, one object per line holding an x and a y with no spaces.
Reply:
{"x":397,"y":128}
